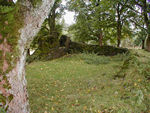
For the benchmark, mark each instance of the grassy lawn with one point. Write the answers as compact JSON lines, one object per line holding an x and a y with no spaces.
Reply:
{"x":82,"y":83}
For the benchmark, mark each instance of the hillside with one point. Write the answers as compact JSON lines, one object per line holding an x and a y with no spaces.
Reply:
{"x":87,"y":83}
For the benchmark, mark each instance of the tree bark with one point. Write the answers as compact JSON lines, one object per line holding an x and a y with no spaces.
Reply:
{"x":51,"y":20}
{"x":32,"y":21}
{"x":147,"y":23}
{"x":119,"y":26}
{"x":148,"y":43}
{"x":28,"y":52}
{"x":101,"y":39}
{"x":118,"y":35}
{"x":143,"y":41}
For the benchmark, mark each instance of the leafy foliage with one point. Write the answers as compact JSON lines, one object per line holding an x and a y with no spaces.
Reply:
{"x":2,"y":110}
{"x":6,"y":3}
{"x":100,"y":18}
{"x":141,"y":36}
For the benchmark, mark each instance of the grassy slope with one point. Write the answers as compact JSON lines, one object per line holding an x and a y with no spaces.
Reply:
{"x":79,"y":84}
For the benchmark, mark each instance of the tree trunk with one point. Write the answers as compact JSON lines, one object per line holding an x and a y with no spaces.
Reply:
{"x":119,"y":26}
{"x":147,"y":23}
{"x":118,"y":36}
{"x":143,"y":41}
{"x":148,"y":43}
{"x":28,"y":52}
{"x":14,"y":97}
{"x":52,"y":18}
{"x":101,"y":39}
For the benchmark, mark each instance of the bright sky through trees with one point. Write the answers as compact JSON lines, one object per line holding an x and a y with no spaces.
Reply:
{"x":69,"y":16}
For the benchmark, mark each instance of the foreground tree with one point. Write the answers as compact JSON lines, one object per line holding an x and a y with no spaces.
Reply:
{"x":18,"y":25}
{"x":99,"y":20}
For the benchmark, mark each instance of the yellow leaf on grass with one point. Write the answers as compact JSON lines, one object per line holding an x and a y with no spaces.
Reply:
{"x":99,"y":111}
{"x":76,"y":101}
{"x":52,"y":109}
{"x":135,"y":84}
{"x":85,"y":107}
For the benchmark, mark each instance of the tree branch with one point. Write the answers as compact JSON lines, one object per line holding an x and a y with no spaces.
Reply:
{"x":138,"y":25}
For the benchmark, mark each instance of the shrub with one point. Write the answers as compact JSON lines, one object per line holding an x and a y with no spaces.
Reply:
{"x":2,"y":110}
{"x":135,"y":84}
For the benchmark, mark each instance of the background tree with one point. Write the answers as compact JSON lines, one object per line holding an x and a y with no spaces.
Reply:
{"x":18,"y":25}
{"x":106,"y":21}
{"x":98,"y":20}
{"x":141,"y":8}
{"x":122,"y":15}
{"x":140,"y":39}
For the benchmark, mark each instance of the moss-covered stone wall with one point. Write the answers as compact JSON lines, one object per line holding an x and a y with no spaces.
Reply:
{"x":75,"y":47}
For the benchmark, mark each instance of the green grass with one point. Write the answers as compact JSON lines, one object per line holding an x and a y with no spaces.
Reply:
{"x":82,"y":83}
